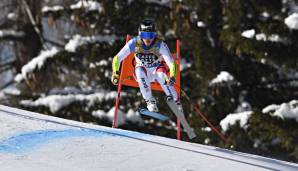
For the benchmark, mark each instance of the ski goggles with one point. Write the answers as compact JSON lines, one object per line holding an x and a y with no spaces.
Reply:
{"x":147,"y":35}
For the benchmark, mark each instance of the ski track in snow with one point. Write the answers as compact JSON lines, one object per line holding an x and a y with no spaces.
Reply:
{"x":30,"y":141}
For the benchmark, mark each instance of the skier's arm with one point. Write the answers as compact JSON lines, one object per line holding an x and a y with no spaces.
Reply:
{"x":166,"y":54}
{"x":123,"y":53}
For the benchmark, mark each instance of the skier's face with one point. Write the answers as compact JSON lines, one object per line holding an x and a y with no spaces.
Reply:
{"x":147,"y":37}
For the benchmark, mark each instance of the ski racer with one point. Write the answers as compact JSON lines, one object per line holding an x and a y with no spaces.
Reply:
{"x":150,"y":52}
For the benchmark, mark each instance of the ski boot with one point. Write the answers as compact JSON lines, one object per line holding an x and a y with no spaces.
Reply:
{"x":151,"y":105}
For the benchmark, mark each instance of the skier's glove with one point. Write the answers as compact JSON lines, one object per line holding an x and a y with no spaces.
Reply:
{"x":171,"y":81}
{"x":115,"y":78}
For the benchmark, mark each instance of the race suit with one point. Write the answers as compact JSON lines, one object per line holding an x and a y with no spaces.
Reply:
{"x":149,"y":65}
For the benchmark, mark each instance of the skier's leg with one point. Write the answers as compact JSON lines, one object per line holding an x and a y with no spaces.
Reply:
{"x":144,"y":84}
{"x":170,"y":91}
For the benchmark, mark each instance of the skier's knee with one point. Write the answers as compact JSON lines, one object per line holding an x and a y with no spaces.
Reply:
{"x":140,"y":72}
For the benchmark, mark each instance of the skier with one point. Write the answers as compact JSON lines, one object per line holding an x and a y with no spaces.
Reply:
{"x":150,"y":52}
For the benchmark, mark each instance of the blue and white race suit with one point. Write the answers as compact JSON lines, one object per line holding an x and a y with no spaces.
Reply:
{"x":149,"y":65}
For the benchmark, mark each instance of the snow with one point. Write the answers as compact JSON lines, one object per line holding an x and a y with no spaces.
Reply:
{"x":224,"y":76}
{"x":65,"y":90}
{"x":276,"y":38}
{"x":207,"y":141}
{"x":231,"y":119}
{"x":201,"y":24}
{"x":11,"y":90}
{"x":100,"y":63}
{"x":261,"y":37}
{"x":206,"y":129}
{"x":89,"y":5}
{"x":110,"y":115}
{"x":284,"y":110}
{"x":159,"y":2}
{"x":134,"y":117}
{"x":293,"y":7}
{"x":271,"y":38}
{"x":13,"y":33}
{"x":243,"y":106}
{"x":25,"y":138}
{"x":122,"y":118}
{"x":78,"y":40}
{"x":257,"y":143}
{"x":18,"y":78}
{"x":293,"y":75}
{"x":184,"y":64}
{"x":170,"y":33}
{"x":248,"y":33}
{"x":52,"y":9}
{"x":292,"y":21}
{"x":12,"y":16}
{"x":210,"y":38}
{"x":2,"y":95}
{"x":35,"y":63}
{"x":265,"y":15}
{"x":58,"y":102}
{"x":289,"y":6}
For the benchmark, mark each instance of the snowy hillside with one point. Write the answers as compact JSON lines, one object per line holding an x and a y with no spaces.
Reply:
{"x":30,"y":141}
{"x":238,"y":66}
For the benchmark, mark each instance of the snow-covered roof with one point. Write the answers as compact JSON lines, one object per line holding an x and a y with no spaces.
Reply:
{"x":284,"y":110}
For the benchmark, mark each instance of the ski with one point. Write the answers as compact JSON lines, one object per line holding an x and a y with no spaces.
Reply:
{"x":173,"y":106}
{"x":155,"y":115}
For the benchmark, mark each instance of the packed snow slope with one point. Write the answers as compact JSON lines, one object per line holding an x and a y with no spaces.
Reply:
{"x":31,"y":141}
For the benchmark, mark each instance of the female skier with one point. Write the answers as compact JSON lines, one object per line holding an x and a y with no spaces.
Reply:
{"x":150,"y":52}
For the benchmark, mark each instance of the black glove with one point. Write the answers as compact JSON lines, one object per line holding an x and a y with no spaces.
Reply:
{"x":171,"y":81}
{"x":115,"y":78}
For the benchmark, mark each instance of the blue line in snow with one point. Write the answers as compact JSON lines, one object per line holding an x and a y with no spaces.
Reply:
{"x":28,"y":141}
